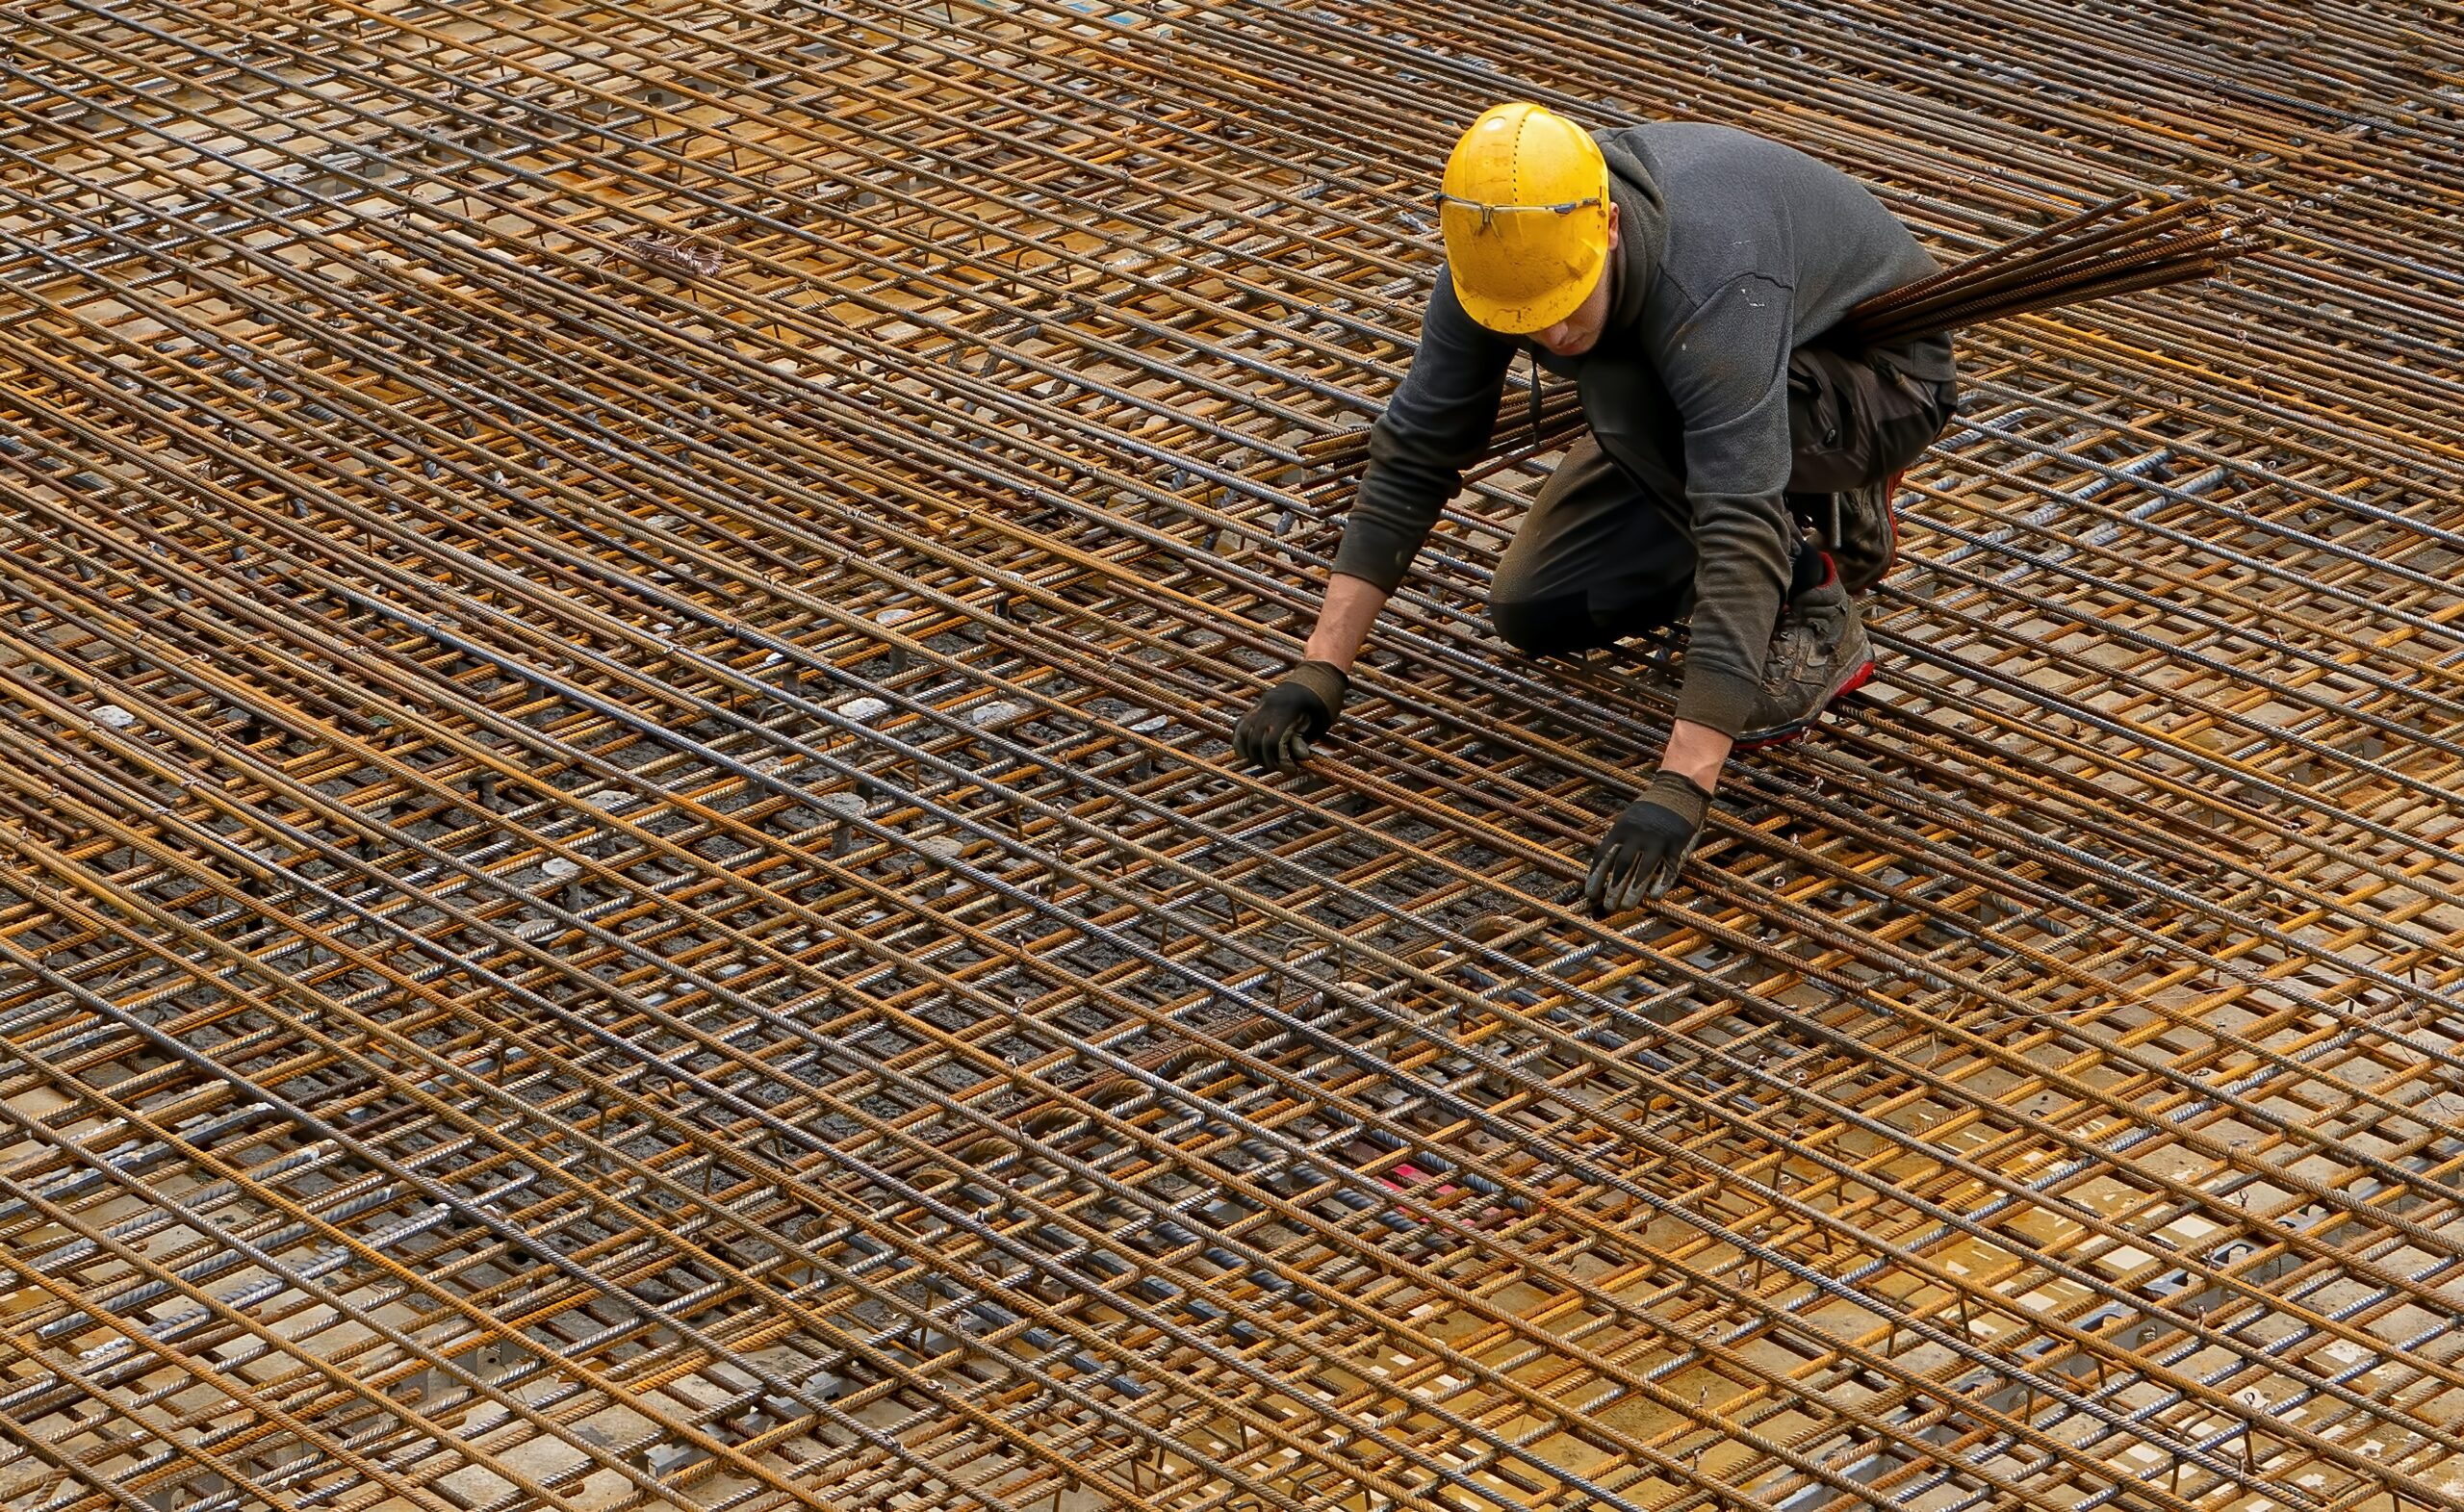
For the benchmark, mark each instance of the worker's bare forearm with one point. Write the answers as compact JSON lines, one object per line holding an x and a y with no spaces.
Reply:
{"x":1342,"y":621}
{"x":1697,"y":751}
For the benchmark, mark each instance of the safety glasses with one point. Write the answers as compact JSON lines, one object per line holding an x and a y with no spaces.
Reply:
{"x":1489,"y":212}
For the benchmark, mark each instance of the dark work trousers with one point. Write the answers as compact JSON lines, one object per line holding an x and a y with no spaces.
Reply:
{"x":1600,"y":557}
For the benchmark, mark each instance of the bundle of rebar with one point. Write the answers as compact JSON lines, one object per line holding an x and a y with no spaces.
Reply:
{"x":2075,"y":259}
{"x":621,"y":883}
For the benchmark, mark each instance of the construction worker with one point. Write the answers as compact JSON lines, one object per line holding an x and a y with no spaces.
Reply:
{"x":1738,"y":472}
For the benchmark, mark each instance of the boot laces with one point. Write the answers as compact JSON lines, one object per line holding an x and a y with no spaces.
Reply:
{"x":1802,"y":643}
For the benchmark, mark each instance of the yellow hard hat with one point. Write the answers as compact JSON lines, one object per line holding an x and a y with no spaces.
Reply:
{"x":1525,"y":212}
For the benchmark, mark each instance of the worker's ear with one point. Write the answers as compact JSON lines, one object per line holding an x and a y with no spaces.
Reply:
{"x":1612,"y":225}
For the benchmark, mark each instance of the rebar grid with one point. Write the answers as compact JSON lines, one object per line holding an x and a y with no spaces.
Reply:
{"x":623,"y":883}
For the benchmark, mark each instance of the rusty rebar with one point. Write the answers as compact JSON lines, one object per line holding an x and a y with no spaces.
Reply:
{"x":621,"y":882}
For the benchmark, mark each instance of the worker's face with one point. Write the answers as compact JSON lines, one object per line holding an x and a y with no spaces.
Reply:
{"x":1580,"y":332}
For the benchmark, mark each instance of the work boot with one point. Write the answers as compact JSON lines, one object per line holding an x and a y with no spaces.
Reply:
{"x":1862,"y":533}
{"x":1818,"y":652}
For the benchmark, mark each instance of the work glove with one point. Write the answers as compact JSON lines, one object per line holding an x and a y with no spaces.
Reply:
{"x":1276,"y":733}
{"x":1647,"y":845}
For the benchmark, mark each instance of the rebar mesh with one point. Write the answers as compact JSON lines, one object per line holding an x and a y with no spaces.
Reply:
{"x":621,"y":882}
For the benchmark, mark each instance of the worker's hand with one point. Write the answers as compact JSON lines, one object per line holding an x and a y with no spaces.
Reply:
{"x":1276,"y":733}
{"x":1647,"y":845}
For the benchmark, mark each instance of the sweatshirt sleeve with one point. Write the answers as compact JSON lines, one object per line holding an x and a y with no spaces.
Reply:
{"x":1729,"y":379}
{"x":1438,"y":421}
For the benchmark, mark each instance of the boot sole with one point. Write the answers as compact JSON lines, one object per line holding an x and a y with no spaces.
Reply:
{"x":1780,"y":736}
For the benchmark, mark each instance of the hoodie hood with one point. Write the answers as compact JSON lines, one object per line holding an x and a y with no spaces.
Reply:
{"x":1642,"y":222}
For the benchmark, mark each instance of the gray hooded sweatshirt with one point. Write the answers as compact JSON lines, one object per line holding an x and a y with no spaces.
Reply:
{"x":1734,"y":250}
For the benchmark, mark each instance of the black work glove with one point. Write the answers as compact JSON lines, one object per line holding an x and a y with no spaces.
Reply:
{"x":1646,"y":846}
{"x":1276,"y":733}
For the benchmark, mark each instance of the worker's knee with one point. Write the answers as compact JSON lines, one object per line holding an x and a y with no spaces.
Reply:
{"x":1565,"y":624}
{"x":1558,"y":626}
